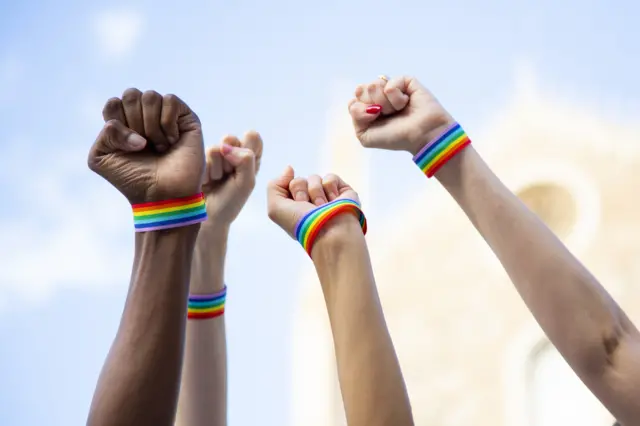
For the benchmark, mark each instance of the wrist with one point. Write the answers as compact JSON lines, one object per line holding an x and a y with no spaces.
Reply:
{"x":184,"y":237}
{"x":169,"y":250}
{"x":335,"y":238}
{"x":451,"y":172}
{"x":207,"y":270}
{"x":439,"y":125}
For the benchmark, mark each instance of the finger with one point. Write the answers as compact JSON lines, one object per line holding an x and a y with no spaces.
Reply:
{"x":395,"y":92}
{"x":253,"y":141}
{"x":363,"y":115}
{"x":214,"y":161}
{"x":151,"y":111}
{"x":173,"y":108}
{"x":113,"y":110}
{"x":279,"y":187}
{"x":243,"y":161}
{"x":362,"y":95}
{"x":330,"y":185}
{"x":316,"y":191}
{"x":231,"y":140}
{"x":114,"y":137}
{"x":132,"y":104}
{"x":376,"y":93}
{"x":278,"y":193}
{"x":299,"y":189}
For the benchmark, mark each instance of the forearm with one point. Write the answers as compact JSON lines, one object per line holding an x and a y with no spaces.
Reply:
{"x":140,"y":379}
{"x":203,"y":391}
{"x":372,"y":385}
{"x":574,"y":310}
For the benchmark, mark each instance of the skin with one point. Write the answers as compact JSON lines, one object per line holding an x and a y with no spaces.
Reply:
{"x":230,"y":178}
{"x":373,"y":389}
{"x":150,"y":149}
{"x":580,"y":318}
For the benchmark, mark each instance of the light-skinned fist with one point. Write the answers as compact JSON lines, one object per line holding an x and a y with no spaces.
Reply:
{"x":150,"y":148}
{"x":230,"y":177}
{"x":289,"y":198}
{"x":399,"y":114}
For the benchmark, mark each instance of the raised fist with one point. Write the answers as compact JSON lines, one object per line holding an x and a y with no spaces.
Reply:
{"x":290,"y":198}
{"x":150,"y":147}
{"x":399,"y":114}
{"x":231,"y":176}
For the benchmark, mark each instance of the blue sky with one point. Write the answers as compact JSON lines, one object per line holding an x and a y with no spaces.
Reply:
{"x":272,"y":66}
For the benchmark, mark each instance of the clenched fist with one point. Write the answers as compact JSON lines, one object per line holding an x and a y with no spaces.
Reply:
{"x":232,"y":167}
{"x":150,"y":147}
{"x":290,"y":198}
{"x":399,"y":114}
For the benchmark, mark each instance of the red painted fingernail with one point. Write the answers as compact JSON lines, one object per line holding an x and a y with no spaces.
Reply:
{"x":225,"y":149}
{"x":373,"y":109}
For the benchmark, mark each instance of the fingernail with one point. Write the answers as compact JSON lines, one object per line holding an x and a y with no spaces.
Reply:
{"x":373,"y":109}
{"x":225,"y":149}
{"x":319,"y":201}
{"x":136,"y":141}
{"x":300,"y":196}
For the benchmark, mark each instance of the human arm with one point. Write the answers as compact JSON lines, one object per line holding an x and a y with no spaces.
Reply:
{"x":578,"y":315}
{"x":140,"y":379}
{"x":150,"y":149}
{"x":230,"y":177}
{"x":203,"y":390}
{"x":373,"y":389}
{"x":371,"y":381}
{"x":580,"y":318}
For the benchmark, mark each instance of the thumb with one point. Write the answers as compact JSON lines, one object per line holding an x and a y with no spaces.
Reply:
{"x":279,"y":197}
{"x":253,"y":141}
{"x":244,"y":162}
{"x":115,"y":137}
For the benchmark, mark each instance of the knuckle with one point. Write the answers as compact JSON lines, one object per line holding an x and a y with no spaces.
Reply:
{"x":110,"y":127}
{"x":151,"y":97}
{"x":298,"y":182}
{"x":329,"y":178}
{"x":111,"y":104}
{"x":131,"y":95}
{"x":170,"y":99}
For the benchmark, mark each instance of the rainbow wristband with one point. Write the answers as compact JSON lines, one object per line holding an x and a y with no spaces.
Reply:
{"x":442,"y":149}
{"x":205,"y":306}
{"x":169,"y":214}
{"x":310,"y":225}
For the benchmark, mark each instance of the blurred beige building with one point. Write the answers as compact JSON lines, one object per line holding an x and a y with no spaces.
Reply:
{"x":470,"y":351}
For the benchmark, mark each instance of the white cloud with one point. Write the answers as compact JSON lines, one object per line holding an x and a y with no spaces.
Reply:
{"x":117,"y":32}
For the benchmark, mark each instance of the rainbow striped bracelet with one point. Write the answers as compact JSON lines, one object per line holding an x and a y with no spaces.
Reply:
{"x":205,"y":306}
{"x":442,"y":149}
{"x":168,"y":214}
{"x":309,"y":226}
